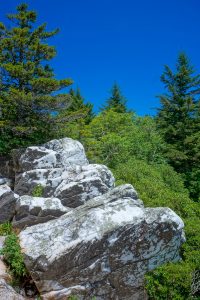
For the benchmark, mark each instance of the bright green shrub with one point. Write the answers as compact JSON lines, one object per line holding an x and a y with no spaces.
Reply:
{"x":13,"y":256}
{"x":170,"y":282}
{"x":5,"y":228}
{"x":158,"y":185}
{"x":112,"y":138}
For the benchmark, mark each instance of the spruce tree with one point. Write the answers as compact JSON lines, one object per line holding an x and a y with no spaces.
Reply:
{"x":179,"y":121}
{"x":29,"y":108}
{"x":78,"y":104}
{"x":116,"y":101}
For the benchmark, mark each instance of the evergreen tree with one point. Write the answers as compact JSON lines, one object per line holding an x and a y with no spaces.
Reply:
{"x":116,"y":101}
{"x":78,"y":104}
{"x":28,"y":108}
{"x":179,"y":121}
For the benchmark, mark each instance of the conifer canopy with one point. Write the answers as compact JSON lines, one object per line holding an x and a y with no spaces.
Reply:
{"x":27,"y":84}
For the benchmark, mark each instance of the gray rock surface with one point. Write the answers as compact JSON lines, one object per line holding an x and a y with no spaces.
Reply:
{"x":85,"y":183}
{"x":62,"y":169}
{"x":54,"y":154}
{"x":35,"y":210}
{"x":2,"y":180}
{"x":3,"y":269}
{"x":7,"y":292}
{"x":2,"y":240}
{"x":7,"y":203}
{"x":102,"y":248}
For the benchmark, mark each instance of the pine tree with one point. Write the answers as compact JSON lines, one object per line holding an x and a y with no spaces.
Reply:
{"x":116,"y":101}
{"x":78,"y":104}
{"x":28,"y":106}
{"x":179,"y":121}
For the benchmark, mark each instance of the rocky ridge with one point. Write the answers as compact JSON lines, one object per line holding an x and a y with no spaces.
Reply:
{"x":83,"y":236}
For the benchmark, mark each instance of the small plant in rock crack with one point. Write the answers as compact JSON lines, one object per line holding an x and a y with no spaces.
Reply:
{"x":5,"y":229}
{"x":38,"y":191}
{"x":13,"y":256}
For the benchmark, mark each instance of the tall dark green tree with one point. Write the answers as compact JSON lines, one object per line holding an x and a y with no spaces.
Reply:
{"x":29,"y":109}
{"x":179,"y":121}
{"x":78,"y":104}
{"x":116,"y":101}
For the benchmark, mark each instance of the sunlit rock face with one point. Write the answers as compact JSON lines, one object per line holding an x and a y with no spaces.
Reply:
{"x":102,"y":248}
{"x":63,"y":171}
{"x":82,"y":235}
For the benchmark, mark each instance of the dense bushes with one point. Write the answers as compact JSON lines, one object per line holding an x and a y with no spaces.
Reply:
{"x":13,"y":256}
{"x":12,"y":252}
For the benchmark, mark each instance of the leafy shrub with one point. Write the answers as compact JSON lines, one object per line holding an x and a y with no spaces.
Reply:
{"x":13,"y":256}
{"x":5,"y":228}
{"x":38,"y":191}
{"x":170,"y":282}
{"x":112,"y":138}
{"x":158,"y":185}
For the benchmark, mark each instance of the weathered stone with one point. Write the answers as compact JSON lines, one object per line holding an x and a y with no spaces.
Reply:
{"x":7,"y":203}
{"x":2,"y":180}
{"x":59,"y":168}
{"x":89,"y":182}
{"x":7,"y":292}
{"x":3,"y":269}
{"x":54,"y":154}
{"x":2,"y":240}
{"x":102,"y":248}
{"x":49,"y":179}
{"x":7,"y":173}
{"x":35,"y":210}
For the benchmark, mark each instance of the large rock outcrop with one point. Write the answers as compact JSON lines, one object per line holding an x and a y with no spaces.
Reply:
{"x":82,"y":235}
{"x":102,"y":248}
{"x":63,"y":171}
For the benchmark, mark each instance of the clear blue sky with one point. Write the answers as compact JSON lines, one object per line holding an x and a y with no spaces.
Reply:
{"x":129,"y":41}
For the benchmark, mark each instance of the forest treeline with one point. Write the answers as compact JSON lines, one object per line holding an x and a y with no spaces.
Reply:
{"x":159,"y":155}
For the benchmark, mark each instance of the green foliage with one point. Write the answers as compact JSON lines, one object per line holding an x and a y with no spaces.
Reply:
{"x":38,"y":191}
{"x":112,"y":138}
{"x":116,"y":102}
{"x":78,"y":104}
{"x":170,"y":282}
{"x":5,"y":229}
{"x":178,"y":120}
{"x":158,"y":185}
{"x":27,"y":84}
{"x":75,"y":117}
{"x":13,"y":256}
